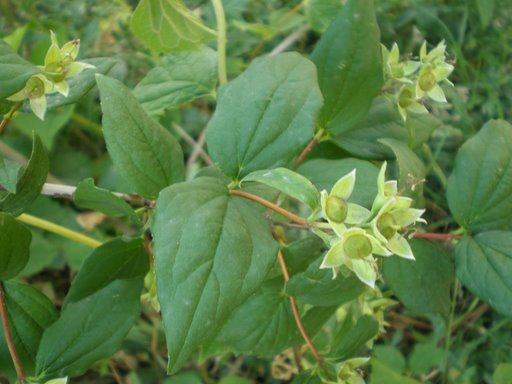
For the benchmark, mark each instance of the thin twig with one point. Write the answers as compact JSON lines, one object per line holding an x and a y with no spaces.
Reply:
{"x":435,"y":236}
{"x":8,"y":337}
{"x":296,"y":315}
{"x":115,"y":373}
{"x":305,"y":152}
{"x":268,"y":204}
{"x":10,"y":116}
{"x":290,"y":40}
{"x":184,"y":134}
{"x":196,"y":151}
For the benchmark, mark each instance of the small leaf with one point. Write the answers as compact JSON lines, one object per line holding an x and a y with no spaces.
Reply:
{"x":320,"y":13}
{"x":384,"y":120}
{"x":265,"y":116}
{"x":422,"y":285}
{"x":288,"y":182}
{"x":317,"y":287}
{"x":325,"y":173}
{"x":29,"y":313}
{"x":14,"y":246}
{"x":352,"y":337}
{"x":349,"y":63}
{"x":480,"y":186}
{"x":88,"y":196}
{"x":9,"y":171}
{"x":145,"y":154}
{"x":14,"y":71}
{"x":486,"y":11}
{"x":30,"y":182}
{"x":89,"y":330}
{"x":484,"y":266}
{"x":212,"y":251}
{"x":168,"y":26}
{"x":118,"y":259}
{"x":502,"y":373}
{"x":382,"y":374}
{"x":178,"y":78}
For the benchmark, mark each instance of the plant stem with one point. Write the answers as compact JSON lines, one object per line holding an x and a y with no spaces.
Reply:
{"x":10,"y":116}
{"x":8,"y":337}
{"x":192,"y":142}
{"x":434,"y":165}
{"x":272,"y":206}
{"x":305,"y":152}
{"x":90,"y":126}
{"x":221,"y":40}
{"x":296,"y":315}
{"x":448,"y":338}
{"x":435,"y":236}
{"x":59,"y":230}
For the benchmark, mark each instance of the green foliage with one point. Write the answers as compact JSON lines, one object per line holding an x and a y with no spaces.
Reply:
{"x":14,"y":246}
{"x":14,"y":71}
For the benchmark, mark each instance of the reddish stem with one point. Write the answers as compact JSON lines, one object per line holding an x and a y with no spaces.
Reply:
{"x":305,"y":152}
{"x":435,"y":236}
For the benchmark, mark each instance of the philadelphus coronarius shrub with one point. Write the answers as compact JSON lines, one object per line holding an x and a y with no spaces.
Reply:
{"x":260,"y":245}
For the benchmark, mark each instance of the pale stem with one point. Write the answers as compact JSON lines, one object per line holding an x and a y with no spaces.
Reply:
{"x":221,"y":40}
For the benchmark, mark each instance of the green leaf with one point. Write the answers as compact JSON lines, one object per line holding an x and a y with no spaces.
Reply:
{"x":317,"y":287}
{"x":265,"y":116}
{"x":480,"y":186}
{"x":390,"y":356}
{"x":484,"y":266}
{"x":384,"y":120}
{"x":82,"y":83}
{"x":54,"y":121}
{"x":212,"y":251}
{"x":382,"y":374}
{"x":349,"y":63}
{"x":486,"y":11}
{"x":9,"y":171}
{"x":30,"y":182}
{"x":14,"y":71}
{"x":116,"y":260}
{"x":15,"y":38}
{"x":425,"y":357}
{"x":412,"y":171}
{"x":88,"y":196}
{"x":14,"y":246}
{"x":89,"y":330}
{"x":144,"y":153}
{"x":29,"y":313}
{"x":325,"y":173}
{"x":503,"y":374}
{"x":264,"y":325}
{"x":422,"y":285}
{"x":168,"y":26}
{"x":178,"y":78}
{"x":352,"y":337}
{"x":288,"y":182}
{"x":320,"y":13}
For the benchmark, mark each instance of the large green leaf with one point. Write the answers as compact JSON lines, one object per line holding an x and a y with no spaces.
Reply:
{"x":89,"y":330}
{"x":178,"y":79}
{"x":349,"y":63}
{"x":264,"y":325}
{"x":480,"y":187}
{"x":288,"y":182}
{"x":88,"y":196}
{"x":118,"y":259}
{"x":29,"y":313}
{"x":422,"y":285}
{"x":265,"y":116}
{"x":14,"y":246}
{"x":317,"y":287}
{"x":30,"y":182}
{"x":144,"y":153}
{"x":14,"y":71}
{"x":484,"y":265}
{"x":325,"y":173}
{"x":212,"y":251}
{"x":384,"y":121}
{"x":352,"y":337}
{"x":168,"y":26}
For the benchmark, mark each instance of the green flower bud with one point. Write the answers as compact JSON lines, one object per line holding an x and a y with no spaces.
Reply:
{"x":55,"y":71}
{"x":427,"y":80}
{"x":405,"y":98}
{"x":336,"y":209}
{"x":358,"y":246}
{"x":386,"y":225}
{"x":34,"y":87}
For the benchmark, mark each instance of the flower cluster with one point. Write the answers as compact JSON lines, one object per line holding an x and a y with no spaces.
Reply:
{"x":359,"y":233}
{"x":59,"y":65}
{"x":413,"y":81}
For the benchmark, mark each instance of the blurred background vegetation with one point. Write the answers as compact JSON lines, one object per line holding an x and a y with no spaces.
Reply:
{"x":479,"y":38}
